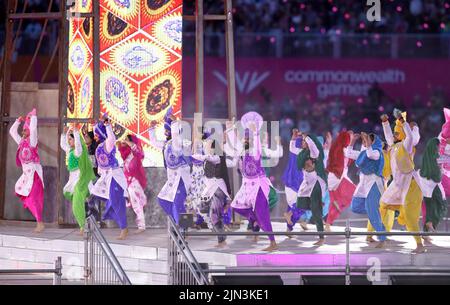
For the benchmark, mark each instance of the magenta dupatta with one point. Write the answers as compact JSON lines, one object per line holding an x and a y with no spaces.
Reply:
{"x":135,"y":168}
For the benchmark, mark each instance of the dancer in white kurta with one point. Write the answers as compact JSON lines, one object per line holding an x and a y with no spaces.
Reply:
{"x":112,"y":184}
{"x":30,"y":186}
{"x":81,"y":174}
{"x":404,"y":193}
{"x":176,"y":152}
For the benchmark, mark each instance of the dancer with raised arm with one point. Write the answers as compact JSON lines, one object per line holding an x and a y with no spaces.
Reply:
{"x":340,"y":186}
{"x":313,"y":186}
{"x":132,"y":154}
{"x":252,"y":199}
{"x":30,"y":186}
{"x":370,"y":162}
{"x":292,"y":178}
{"x":93,"y":205}
{"x":81,"y":173}
{"x":176,"y":152}
{"x":404,"y":193}
{"x":193,"y":199}
{"x":112,"y":184}
{"x":216,"y":194}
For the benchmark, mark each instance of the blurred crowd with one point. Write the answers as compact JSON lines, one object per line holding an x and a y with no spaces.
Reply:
{"x":344,"y":16}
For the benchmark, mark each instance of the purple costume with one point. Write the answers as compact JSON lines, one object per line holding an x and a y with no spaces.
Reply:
{"x":251,"y":201}
{"x":112,"y":183}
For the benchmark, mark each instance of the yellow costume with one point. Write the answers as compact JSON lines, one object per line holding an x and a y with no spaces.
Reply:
{"x":403,"y":194}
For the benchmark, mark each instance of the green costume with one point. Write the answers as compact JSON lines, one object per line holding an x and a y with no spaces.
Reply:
{"x":314,"y":202}
{"x":81,"y":190}
{"x":436,"y":206}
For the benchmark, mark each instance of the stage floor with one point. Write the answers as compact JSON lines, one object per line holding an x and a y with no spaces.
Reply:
{"x":144,"y":256}
{"x":242,"y":244}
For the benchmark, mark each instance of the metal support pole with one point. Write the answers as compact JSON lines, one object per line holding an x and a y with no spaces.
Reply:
{"x":199,"y":57}
{"x":57,"y":277}
{"x":86,"y":254}
{"x":6,"y":98}
{"x":347,"y":253}
{"x":96,"y":59}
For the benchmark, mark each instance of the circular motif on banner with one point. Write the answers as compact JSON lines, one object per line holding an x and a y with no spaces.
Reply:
{"x":78,"y":57}
{"x":118,"y":97}
{"x":125,"y":9}
{"x":139,"y":58}
{"x":70,"y":97}
{"x":157,"y":8}
{"x":113,"y":29}
{"x":86,"y":95}
{"x":169,"y":30}
{"x":162,"y":92}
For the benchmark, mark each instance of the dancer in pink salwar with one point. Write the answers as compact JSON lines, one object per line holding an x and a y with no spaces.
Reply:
{"x":30,"y":186}
{"x":132,"y":155}
{"x":340,"y":186}
{"x":444,"y":151}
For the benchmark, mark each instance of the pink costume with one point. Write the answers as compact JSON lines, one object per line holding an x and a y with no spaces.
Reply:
{"x":136,"y":179}
{"x":444,"y":151}
{"x":30,"y":186}
{"x":339,"y":184}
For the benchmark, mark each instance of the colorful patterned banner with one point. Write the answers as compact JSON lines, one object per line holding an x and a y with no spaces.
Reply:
{"x":140,"y":65}
{"x":140,"y":71}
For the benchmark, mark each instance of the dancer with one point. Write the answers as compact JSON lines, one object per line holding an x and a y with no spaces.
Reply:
{"x":370,"y":161}
{"x":387,"y":215}
{"x":431,"y":185}
{"x":216,"y":194}
{"x":132,"y":154}
{"x":112,"y":184}
{"x":292,"y":178}
{"x":310,"y":160}
{"x":93,"y":206}
{"x":444,"y":150}
{"x":252,"y":199}
{"x":306,"y":216}
{"x":30,"y":186}
{"x":404,"y":193}
{"x":340,"y":186}
{"x":81,"y":173}
{"x":197,"y":186}
{"x":176,"y":152}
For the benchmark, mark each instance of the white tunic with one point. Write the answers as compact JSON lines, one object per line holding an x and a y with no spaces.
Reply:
{"x":212,"y":184}
{"x":174,"y":176}
{"x":366,"y":182}
{"x":24,"y":185}
{"x":74,"y":176}
{"x":246,"y":196}
{"x":102,"y":186}
{"x":396,"y":192}
{"x":427,"y":185}
{"x":310,"y":178}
